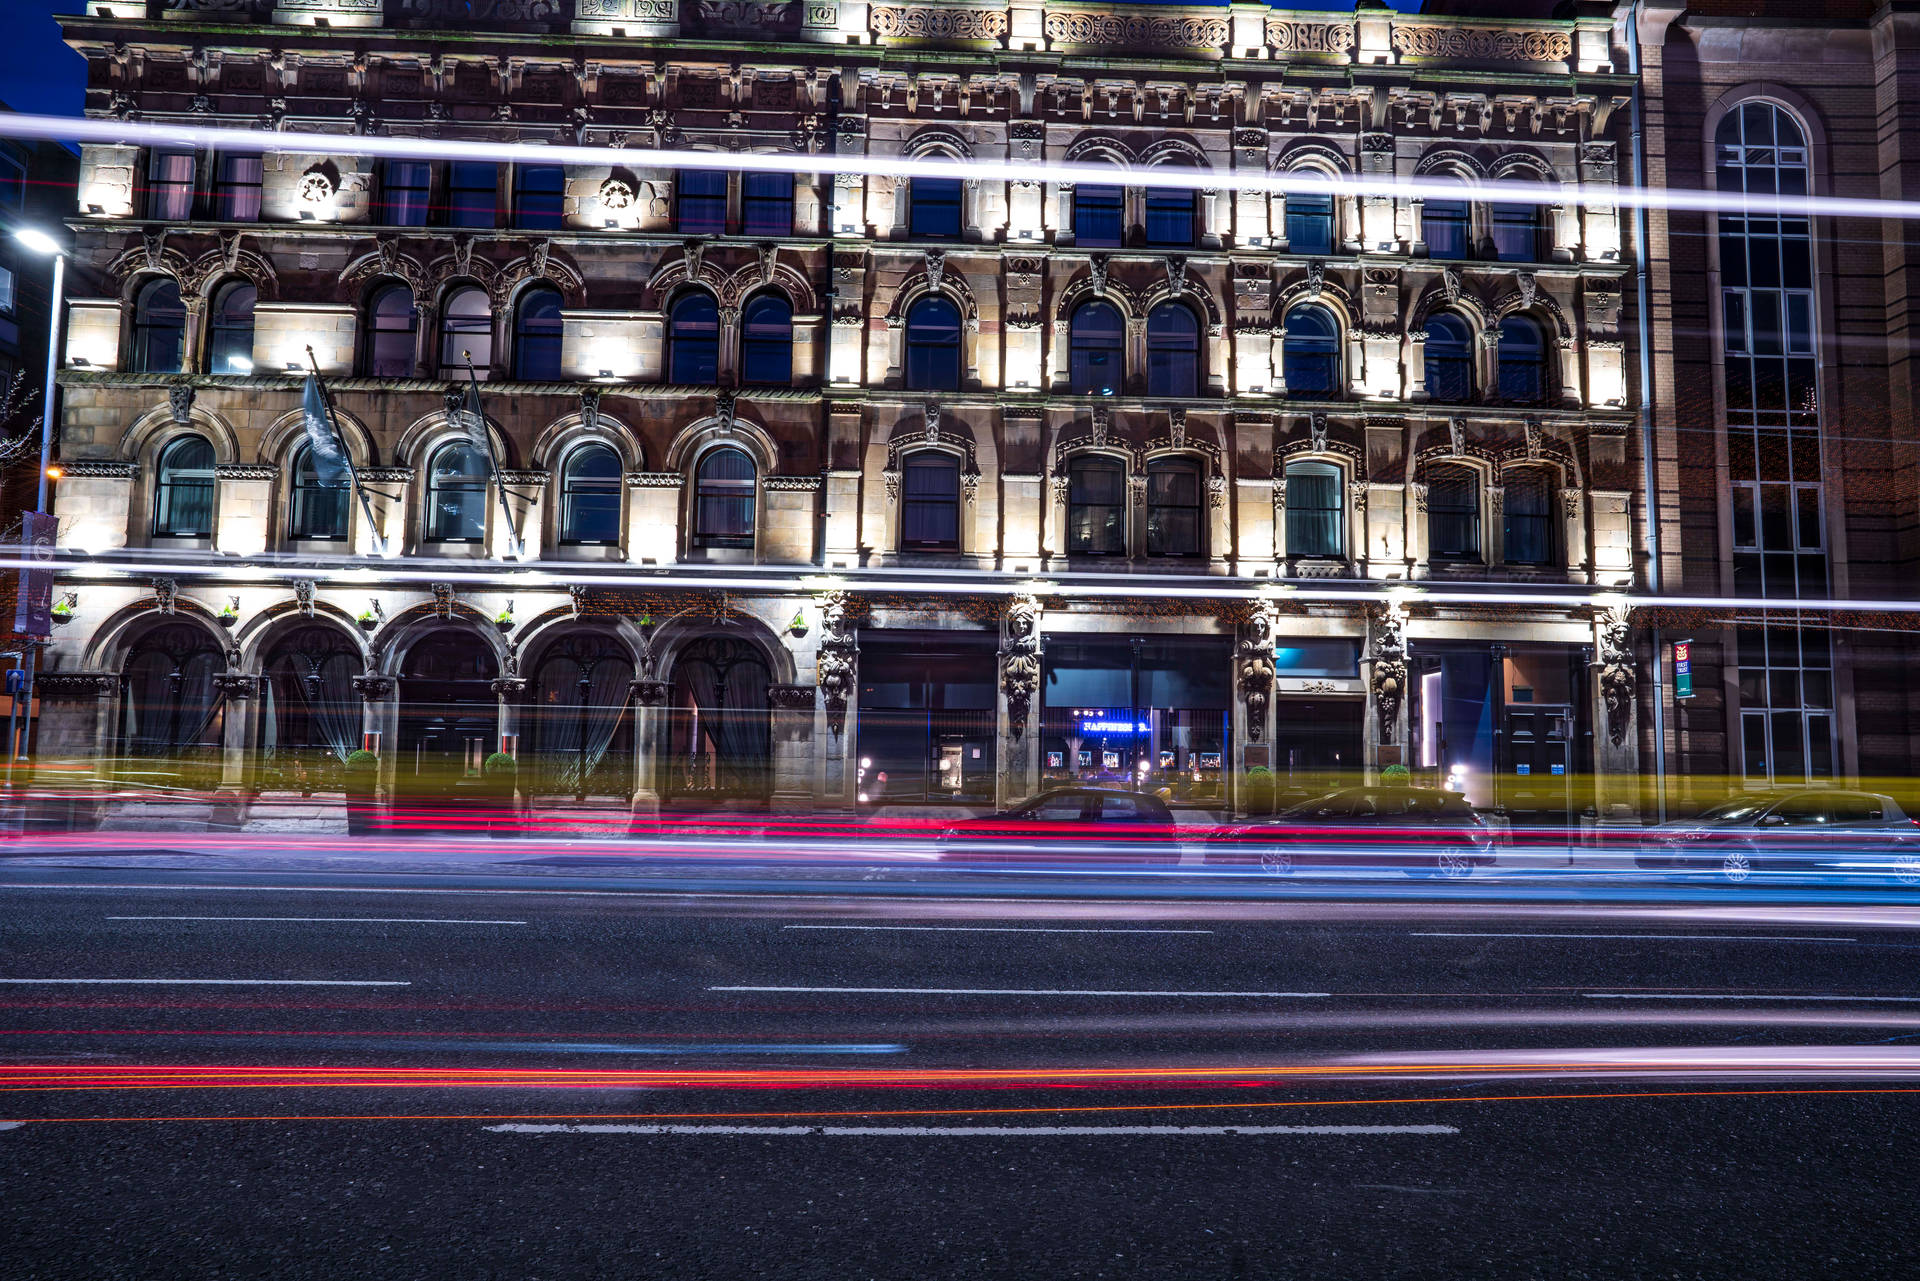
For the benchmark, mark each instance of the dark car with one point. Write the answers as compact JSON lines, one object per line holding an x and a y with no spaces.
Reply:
{"x":1418,"y":829}
{"x":1815,"y":828}
{"x":1079,"y":823}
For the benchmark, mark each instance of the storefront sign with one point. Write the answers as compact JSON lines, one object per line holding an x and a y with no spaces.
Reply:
{"x":1103,"y":726}
{"x":1683,"y":669}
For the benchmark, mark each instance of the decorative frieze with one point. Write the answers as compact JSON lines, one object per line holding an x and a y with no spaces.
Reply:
{"x":916,"y":22}
{"x":1135,"y":31}
{"x":1481,"y":44}
{"x":1287,"y":36}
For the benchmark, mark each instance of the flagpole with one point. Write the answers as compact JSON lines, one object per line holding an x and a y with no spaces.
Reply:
{"x":516,"y":544}
{"x":346,"y":456}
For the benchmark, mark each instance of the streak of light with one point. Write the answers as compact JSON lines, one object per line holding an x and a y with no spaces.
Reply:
{"x":989,"y":929}
{"x":975,"y":1131}
{"x":1006,"y":991}
{"x":318,"y":920}
{"x":1738,"y":996}
{"x":1711,"y":938}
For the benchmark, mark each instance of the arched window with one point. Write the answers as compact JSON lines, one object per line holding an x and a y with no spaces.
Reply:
{"x":1099,"y":216}
{"x":933,"y":208}
{"x":1309,"y":222}
{"x":1316,"y":516}
{"x":1310,"y":353}
{"x":1176,"y":507}
{"x":457,"y":494}
{"x":1453,"y":513}
{"x":1527,"y":524}
{"x":723,"y":499}
{"x":1097,"y":340}
{"x":590,"y":485}
{"x":169,"y":703}
{"x":1523,"y":362}
{"x":183,"y":490}
{"x":1096,"y":507}
{"x":1172,"y":214}
{"x":766,"y":341}
{"x":582,"y":738}
{"x":933,"y":345}
{"x":391,"y":322}
{"x":230,"y":329}
{"x":1449,"y":358}
{"x":537,"y":332}
{"x":466,"y":330}
{"x":318,"y":511}
{"x":693,"y":340}
{"x":1173,"y":351}
{"x":700,"y":199}
{"x":310,"y":715}
{"x":1445,"y":226}
{"x":159,"y":328}
{"x":766,"y":204}
{"x":930,"y":502}
{"x":1517,"y":233}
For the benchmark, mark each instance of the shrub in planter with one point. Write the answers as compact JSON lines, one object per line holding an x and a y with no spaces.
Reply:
{"x":1260,"y":790}
{"x":502,"y":775}
{"x":362,"y":777}
{"x":1396,"y":776}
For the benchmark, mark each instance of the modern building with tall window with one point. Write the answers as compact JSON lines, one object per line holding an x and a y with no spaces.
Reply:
{"x":853,"y":490}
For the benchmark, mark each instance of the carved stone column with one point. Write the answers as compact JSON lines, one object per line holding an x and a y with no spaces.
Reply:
{"x":791,"y":707}
{"x":237,"y":728}
{"x":836,"y":673}
{"x":1019,"y":731}
{"x":1386,"y":675}
{"x":381,"y":716}
{"x":1616,"y":742}
{"x":649,"y":736}
{"x":1253,"y":682}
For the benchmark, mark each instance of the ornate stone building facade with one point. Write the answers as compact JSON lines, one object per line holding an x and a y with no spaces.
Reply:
{"x":850,"y":492}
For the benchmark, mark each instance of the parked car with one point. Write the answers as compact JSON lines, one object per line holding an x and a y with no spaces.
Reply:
{"x":1814,"y":828}
{"x":1080,"y":823}
{"x":1418,"y":829}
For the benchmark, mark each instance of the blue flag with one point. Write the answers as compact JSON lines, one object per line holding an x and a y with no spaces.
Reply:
{"x":329,"y":456}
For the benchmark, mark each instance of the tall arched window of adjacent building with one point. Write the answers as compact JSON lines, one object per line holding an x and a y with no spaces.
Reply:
{"x":1523,"y":362}
{"x":466,"y":333}
{"x":929,"y":501}
{"x":933,"y":345}
{"x":723,"y":499}
{"x":590,"y":485}
{"x":537,"y":332}
{"x":933,"y":208}
{"x":1173,"y":351}
{"x":1097,"y":341}
{"x":159,"y":328}
{"x":1449,"y":358}
{"x":230,"y":329}
{"x":1528,"y":519}
{"x":766,"y":341}
{"x":693,"y":340}
{"x":457,"y":494}
{"x":1176,"y":508}
{"x":1517,"y":233}
{"x":1446,"y":227}
{"x":1453,"y":512}
{"x":1096,"y":506}
{"x":183,"y":489}
{"x":1310,"y":353}
{"x":1099,"y":216}
{"x":390,"y":345}
{"x":318,"y":512}
{"x":1310,"y":222}
{"x":1316,"y":516}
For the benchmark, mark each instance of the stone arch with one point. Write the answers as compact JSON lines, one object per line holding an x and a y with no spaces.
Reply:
{"x":1540,"y":449}
{"x":428,"y":432}
{"x":560,"y":437}
{"x":1452,"y":162}
{"x":392,"y":643}
{"x":1189,"y":291}
{"x":1100,"y":148}
{"x":152,"y":430}
{"x":1471,"y":308}
{"x":135,"y":267}
{"x":1309,"y":153}
{"x":1522,"y":166}
{"x":675,"y":274}
{"x":257,"y":637}
{"x":952,"y":287}
{"x":287,"y":433}
{"x":541,"y":632}
{"x":542,"y":265}
{"x":385,"y":261}
{"x":111,"y":641}
{"x":1303,"y":288}
{"x":1806,"y":114}
{"x":782,"y":278}
{"x":1174,"y":150}
{"x":937,"y":140}
{"x":955,"y":438}
{"x":697,"y":437}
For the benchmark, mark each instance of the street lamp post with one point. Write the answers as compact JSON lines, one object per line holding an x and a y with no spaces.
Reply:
{"x":41,"y":243}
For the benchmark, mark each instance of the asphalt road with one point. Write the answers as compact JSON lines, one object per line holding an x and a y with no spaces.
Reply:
{"x":451,"y":1077}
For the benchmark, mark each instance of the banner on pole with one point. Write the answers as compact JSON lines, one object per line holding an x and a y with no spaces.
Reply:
{"x":33,"y":607}
{"x":1683,"y":669}
{"x":328,"y":451}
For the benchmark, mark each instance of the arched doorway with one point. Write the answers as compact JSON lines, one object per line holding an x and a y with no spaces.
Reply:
{"x":582,"y":736}
{"x":172,"y":716}
{"x":720,"y":726}
{"x":449,"y":714}
{"x":310,"y":714}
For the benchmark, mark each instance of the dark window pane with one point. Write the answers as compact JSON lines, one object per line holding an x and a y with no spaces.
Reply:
{"x":1171,"y":215}
{"x":390,"y":333}
{"x":1096,"y":508}
{"x":230,"y":330}
{"x":540,"y":201}
{"x":1309,"y":223}
{"x":184,"y":489}
{"x":1097,"y":339}
{"x":1310,"y":353}
{"x":406,"y":190}
{"x":724,"y":489}
{"x":1523,"y":362}
{"x":1099,"y":216}
{"x":1444,"y":226}
{"x":1173,"y":351}
{"x":473,"y":191}
{"x":1528,"y":529}
{"x":537,"y":336}
{"x":159,"y":328}
{"x":236,"y":188}
{"x":457,"y":494}
{"x":170,"y":186}
{"x":933,"y":345}
{"x":466,"y":334}
{"x":930,"y":502}
{"x":766,"y":204}
{"x":1175,"y":505}
{"x":1516,"y":233}
{"x":1315,"y":510}
{"x":1449,"y":359}
{"x":766,"y":342}
{"x":319,"y":511}
{"x":701,"y":202}
{"x":590,"y":497}
{"x":693,"y":341}
{"x":1453,"y":513}
{"x":933,"y":208}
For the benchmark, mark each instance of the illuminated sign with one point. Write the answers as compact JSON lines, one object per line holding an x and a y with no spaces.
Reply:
{"x":1112,"y":727}
{"x":1683,"y":669}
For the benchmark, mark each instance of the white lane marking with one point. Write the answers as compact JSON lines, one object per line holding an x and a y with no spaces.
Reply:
{"x":1715,"y":938}
{"x":352,"y":920}
{"x":1716,"y":996}
{"x":999,"y":991}
{"x":233,"y":982}
{"x":987,"y":929}
{"x":976,"y":1131}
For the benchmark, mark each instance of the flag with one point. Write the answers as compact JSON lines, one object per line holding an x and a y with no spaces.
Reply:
{"x":471,"y":421}
{"x":330,"y":465}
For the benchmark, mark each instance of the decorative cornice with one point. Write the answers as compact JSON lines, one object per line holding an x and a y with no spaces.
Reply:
{"x":385,"y":475}
{"x":246,"y":471}
{"x":791,"y":484}
{"x":791,"y":698}
{"x":74,"y":686}
{"x":97,"y":469}
{"x":654,"y":480}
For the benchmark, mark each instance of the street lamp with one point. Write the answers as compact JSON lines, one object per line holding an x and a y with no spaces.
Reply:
{"x":41,"y":243}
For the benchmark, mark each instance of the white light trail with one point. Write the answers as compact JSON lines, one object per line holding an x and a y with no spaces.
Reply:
{"x":251,"y":141}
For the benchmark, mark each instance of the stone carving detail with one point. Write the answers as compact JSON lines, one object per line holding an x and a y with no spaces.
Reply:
{"x":75,"y":685}
{"x":790,"y":698}
{"x":1097,"y":273}
{"x":650,"y":693}
{"x":1387,"y":633}
{"x":1457,"y":437}
{"x":303,"y":595}
{"x":1534,"y":441}
{"x":616,"y":194}
{"x":372,"y":687}
{"x":1529,"y":290}
{"x":1216,"y":492}
{"x":443,"y":600}
{"x":749,"y":17}
{"x":1450,"y":284}
{"x":166,"y":595}
{"x":316,"y":188}
{"x":891,"y":22}
{"x":508,"y":686}
{"x":1284,"y":36}
{"x":590,"y":408}
{"x":839,"y":655}
{"x":1316,"y":278}
{"x":1176,"y":266}
{"x":1357,"y":496}
{"x":1317,"y":431}
{"x":1254,"y":669}
{"x":1496,"y":44}
{"x":936,"y":268}
{"x":1616,"y":670}
{"x":236,"y":685}
{"x":1135,"y":31}
{"x":1177,"y":427}
{"x":1020,"y":660}
{"x":1102,"y":425}
{"x":180,"y":403}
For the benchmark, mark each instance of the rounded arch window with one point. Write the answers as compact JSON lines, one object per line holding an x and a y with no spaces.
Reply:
{"x":466,"y":333}
{"x":457,"y":494}
{"x":930,"y":501}
{"x":1173,"y":351}
{"x":1310,"y":353}
{"x":318,"y":510}
{"x":230,"y":329}
{"x":582,"y":736}
{"x":766,"y":341}
{"x":1453,"y":512}
{"x":1527,"y":519}
{"x":169,"y":705}
{"x":723,"y":499}
{"x":391,"y":323}
{"x":933,"y":345}
{"x":1316,"y":518}
{"x":693,"y":340}
{"x":159,"y":328}
{"x":1310,"y":222}
{"x":1449,"y":358}
{"x":1097,"y":341}
{"x":310,"y":713}
{"x":1096,"y":506}
{"x":590,"y":485}
{"x":1176,"y":507}
{"x":1761,"y":149}
{"x":1523,"y":361}
{"x":537,"y":330}
{"x":183,"y":489}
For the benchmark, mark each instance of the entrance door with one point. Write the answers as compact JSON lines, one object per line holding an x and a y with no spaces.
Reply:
{"x":1536,"y":787}
{"x":721,"y":727}
{"x":1319,"y":745}
{"x":449,"y":714}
